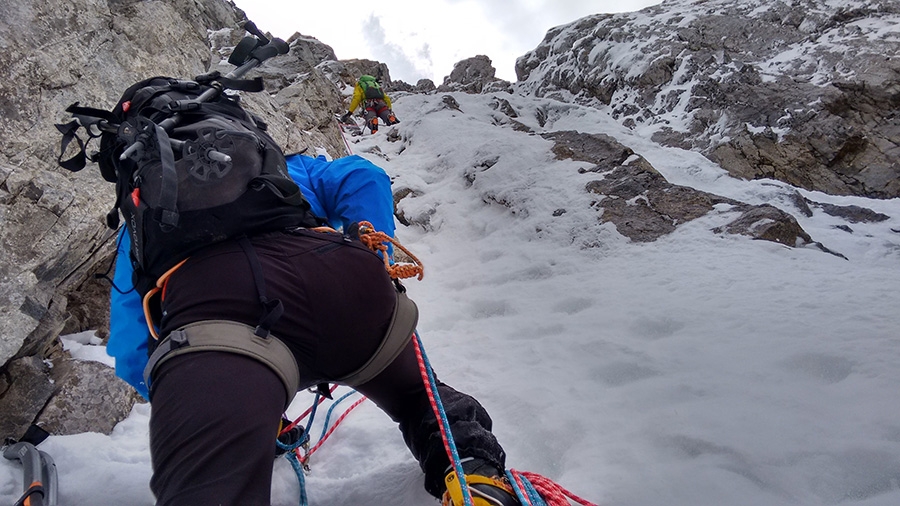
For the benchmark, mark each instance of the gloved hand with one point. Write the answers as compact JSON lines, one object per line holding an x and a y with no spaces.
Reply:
{"x":346,"y":117}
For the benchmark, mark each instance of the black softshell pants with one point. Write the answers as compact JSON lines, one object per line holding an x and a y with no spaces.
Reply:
{"x":377,"y":108}
{"x":215,"y":415}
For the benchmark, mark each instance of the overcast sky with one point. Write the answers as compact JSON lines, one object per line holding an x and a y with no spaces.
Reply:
{"x":423,"y":39}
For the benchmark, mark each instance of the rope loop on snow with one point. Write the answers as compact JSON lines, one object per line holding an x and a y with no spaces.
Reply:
{"x":533,"y":489}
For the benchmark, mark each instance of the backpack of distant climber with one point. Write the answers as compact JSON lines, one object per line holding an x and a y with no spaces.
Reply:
{"x":371,"y":88}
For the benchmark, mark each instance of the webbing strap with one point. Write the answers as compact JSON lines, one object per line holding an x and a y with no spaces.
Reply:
{"x":285,"y":189}
{"x":168,"y":195}
{"x":232,"y":337}
{"x":272,"y":309}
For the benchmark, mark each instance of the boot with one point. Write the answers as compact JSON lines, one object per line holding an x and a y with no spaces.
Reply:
{"x":487,"y":485}
{"x":373,"y":125}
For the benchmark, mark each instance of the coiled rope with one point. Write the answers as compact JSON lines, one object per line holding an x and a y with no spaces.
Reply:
{"x":533,"y":489}
{"x":378,"y":242}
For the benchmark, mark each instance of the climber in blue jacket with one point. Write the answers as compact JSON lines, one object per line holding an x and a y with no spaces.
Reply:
{"x":196,"y":453}
{"x":343,"y":191}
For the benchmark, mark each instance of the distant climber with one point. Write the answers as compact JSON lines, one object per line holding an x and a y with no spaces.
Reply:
{"x":376,"y":103}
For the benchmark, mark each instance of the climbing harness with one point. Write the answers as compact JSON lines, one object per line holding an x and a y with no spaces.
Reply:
{"x":231,"y":337}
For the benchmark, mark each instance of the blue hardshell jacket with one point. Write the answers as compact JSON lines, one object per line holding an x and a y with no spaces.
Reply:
{"x":343,"y":191}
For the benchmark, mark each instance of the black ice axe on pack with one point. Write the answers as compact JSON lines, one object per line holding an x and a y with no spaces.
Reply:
{"x":249,"y":53}
{"x":40,"y":478}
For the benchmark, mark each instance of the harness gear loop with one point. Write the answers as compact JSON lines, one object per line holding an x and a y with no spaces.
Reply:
{"x":377,"y":242}
{"x":231,"y":337}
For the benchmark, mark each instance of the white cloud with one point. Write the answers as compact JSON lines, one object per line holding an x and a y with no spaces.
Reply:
{"x":425,"y":39}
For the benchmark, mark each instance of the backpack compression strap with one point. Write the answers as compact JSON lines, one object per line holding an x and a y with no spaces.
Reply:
{"x":150,"y":134}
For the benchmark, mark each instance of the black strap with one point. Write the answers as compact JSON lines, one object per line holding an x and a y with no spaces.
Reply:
{"x":150,"y":134}
{"x":286,"y":190}
{"x":147,"y":93}
{"x":255,"y":84}
{"x":112,"y":217}
{"x":92,"y":112}
{"x":79,"y":160}
{"x":34,"y":435}
{"x":168,"y":196}
{"x":272,"y":309}
{"x":324,"y":390}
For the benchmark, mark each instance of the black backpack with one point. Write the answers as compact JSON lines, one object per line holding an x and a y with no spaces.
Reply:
{"x":189,"y":170}
{"x":371,"y":88}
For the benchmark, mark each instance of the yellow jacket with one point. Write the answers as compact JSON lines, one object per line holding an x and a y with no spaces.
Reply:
{"x":359,"y":97}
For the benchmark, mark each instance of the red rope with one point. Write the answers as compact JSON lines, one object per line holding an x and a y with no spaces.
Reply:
{"x":341,"y":130}
{"x":431,"y":398}
{"x":332,"y":429}
{"x":553,"y":493}
{"x":296,"y":421}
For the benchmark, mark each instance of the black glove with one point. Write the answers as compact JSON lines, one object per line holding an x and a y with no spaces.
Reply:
{"x":346,"y":118}
{"x":291,"y":438}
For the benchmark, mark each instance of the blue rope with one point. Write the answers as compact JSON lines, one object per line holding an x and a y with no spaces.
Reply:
{"x":457,"y":465}
{"x":515,"y":486}
{"x":330,"y":410}
{"x":533,"y":496}
{"x":298,"y":470}
{"x":291,"y":456}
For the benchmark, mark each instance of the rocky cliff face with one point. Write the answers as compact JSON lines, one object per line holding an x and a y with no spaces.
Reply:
{"x":806,"y":92}
{"x":53,"y":236}
{"x":52,"y":233}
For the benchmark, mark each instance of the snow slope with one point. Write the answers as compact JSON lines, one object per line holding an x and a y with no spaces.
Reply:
{"x":700,"y":369}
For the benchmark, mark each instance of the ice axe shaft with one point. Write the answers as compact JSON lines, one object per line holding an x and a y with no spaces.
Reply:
{"x":40,"y":478}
